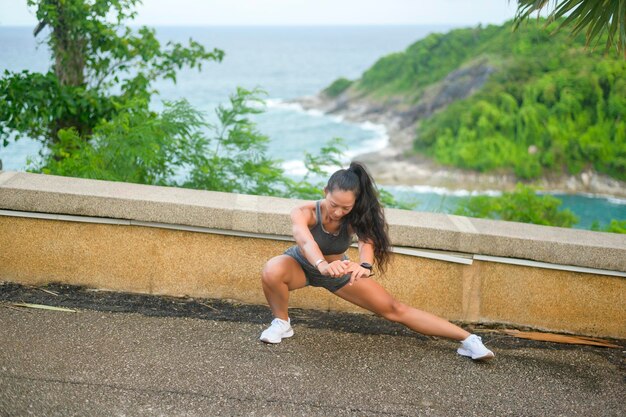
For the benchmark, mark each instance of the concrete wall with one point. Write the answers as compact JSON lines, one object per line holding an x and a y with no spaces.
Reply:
{"x":128,"y":237}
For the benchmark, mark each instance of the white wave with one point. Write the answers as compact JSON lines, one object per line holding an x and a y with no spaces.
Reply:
{"x":379,"y":142}
{"x":615,"y":200}
{"x":273,"y":102}
{"x":294,"y":167}
{"x":428,"y":189}
{"x":611,"y":199}
{"x":278,"y":103}
{"x":314,"y":112}
{"x":559,"y":192}
{"x":376,"y":127}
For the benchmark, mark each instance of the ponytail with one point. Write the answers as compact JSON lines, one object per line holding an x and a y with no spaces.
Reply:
{"x":367,"y":217}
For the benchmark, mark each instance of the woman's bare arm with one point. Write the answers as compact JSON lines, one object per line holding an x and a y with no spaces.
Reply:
{"x":366,"y":252}
{"x":301,"y":218}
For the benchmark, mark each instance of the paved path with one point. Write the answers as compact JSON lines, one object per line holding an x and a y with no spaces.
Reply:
{"x":102,"y":363}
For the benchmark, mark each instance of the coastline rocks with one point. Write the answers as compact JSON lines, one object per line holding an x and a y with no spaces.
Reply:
{"x":398,"y":165}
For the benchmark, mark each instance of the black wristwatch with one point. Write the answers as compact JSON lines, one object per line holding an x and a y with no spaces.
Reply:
{"x":367,"y":266}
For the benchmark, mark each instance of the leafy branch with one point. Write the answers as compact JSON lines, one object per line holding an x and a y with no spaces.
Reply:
{"x":596,"y":17}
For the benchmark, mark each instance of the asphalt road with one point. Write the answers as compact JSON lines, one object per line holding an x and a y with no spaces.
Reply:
{"x":101,"y":363}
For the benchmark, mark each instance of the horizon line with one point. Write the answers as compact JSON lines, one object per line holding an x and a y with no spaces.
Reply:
{"x":295,"y":25}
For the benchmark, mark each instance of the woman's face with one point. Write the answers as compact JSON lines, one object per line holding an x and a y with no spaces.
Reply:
{"x":339,"y":203}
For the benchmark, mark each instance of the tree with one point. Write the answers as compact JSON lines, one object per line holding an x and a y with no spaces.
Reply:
{"x":177,"y":147}
{"x":596,"y":17}
{"x":98,"y":67}
{"x":521,"y":205}
{"x":616,"y":226}
{"x":91,"y":110}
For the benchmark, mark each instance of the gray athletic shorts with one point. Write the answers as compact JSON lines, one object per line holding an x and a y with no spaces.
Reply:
{"x":313,"y":276}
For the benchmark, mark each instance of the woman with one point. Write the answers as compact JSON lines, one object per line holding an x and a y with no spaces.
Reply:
{"x":323,"y":231}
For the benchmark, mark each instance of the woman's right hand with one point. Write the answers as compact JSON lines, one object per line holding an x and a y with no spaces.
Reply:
{"x":333,"y":269}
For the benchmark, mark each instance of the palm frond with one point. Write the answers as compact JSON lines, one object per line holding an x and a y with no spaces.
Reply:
{"x":595,"y":17}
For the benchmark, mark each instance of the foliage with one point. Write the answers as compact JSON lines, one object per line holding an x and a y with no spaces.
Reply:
{"x":91,"y":111}
{"x":99,"y":66}
{"x":423,"y":63}
{"x":432,"y":58}
{"x":234,"y":159}
{"x":337,"y":87}
{"x":388,"y":200}
{"x":329,"y":159}
{"x":174,"y":148}
{"x":179,"y":148}
{"x":549,"y":105}
{"x":521,"y":205}
{"x":136,"y":145}
{"x":564,"y":120}
{"x":616,"y":226}
{"x":596,"y":17}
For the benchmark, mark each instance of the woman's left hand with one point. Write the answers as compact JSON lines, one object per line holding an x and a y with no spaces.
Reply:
{"x":356,"y":271}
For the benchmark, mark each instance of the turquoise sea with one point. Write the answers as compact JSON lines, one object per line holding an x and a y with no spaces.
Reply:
{"x":286,"y":62}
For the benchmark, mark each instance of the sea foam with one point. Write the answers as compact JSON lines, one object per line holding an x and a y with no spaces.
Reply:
{"x":428,"y":189}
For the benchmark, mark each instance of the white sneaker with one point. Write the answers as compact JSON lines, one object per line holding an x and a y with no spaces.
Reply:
{"x":474,"y":348}
{"x":279,"y":330}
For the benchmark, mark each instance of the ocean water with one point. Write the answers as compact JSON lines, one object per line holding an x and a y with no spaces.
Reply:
{"x":285,"y":62}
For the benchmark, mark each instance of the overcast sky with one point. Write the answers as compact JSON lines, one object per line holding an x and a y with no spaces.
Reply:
{"x":298,"y":12}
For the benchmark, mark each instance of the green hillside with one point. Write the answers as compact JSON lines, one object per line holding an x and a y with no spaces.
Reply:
{"x":549,"y":106}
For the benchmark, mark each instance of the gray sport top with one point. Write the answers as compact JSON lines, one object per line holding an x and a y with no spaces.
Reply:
{"x":330,"y":244}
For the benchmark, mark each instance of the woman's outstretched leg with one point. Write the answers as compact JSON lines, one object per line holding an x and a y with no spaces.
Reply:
{"x":372,"y":296}
{"x":280,"y":275}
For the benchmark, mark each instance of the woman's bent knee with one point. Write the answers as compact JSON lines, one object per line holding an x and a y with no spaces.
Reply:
{"x":270,"y":275}
{"x":283,"y":270}
{"x":275,"y":271}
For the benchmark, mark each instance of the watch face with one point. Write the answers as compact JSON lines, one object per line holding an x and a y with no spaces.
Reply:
{"x":366,"y":265}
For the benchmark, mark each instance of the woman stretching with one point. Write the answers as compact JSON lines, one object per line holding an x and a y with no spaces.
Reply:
{"x":323,"y":231}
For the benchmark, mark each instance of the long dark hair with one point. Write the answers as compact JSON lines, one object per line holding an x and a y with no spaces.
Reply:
{"x":367,"y":217}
